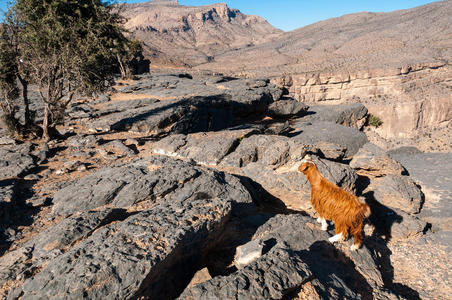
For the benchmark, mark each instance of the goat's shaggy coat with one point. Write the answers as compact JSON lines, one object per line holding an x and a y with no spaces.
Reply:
{"x":332,"y":203}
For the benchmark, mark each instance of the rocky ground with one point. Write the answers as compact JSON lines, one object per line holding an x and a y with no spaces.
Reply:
{"x":181,"y":185}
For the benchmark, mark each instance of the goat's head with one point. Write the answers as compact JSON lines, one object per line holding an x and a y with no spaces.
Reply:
{"x":306,"y":164}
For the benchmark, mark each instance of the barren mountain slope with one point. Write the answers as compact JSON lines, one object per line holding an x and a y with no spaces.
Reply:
{"x":184,"y":35}
{"x":351,"y":42}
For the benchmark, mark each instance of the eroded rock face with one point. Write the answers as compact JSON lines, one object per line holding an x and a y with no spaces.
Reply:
{"x":399,"y":192}
{"x":268,"y":160}
{"x":143,"y":182}
{"x":16,"y":266}
{"x":373,"y":161}
{"x":301,"y":233}
{"x":118,"y":254}
{"x":270,"y":277}
{"x":186,"y":105}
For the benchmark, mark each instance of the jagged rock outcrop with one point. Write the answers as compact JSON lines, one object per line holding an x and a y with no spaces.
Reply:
{"x":142,"y":183}
{"x":195,"y":105}
{"x":129,"y":258}
{"x":373,"y":161}
{"x":266,"y":159}
{"x":187,"y":35}
{"x":270,"y":277}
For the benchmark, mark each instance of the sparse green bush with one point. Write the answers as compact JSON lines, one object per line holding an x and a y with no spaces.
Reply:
{"x":374,"y":121}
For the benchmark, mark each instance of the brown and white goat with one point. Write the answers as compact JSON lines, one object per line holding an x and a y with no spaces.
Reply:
{"x":334,"y":204}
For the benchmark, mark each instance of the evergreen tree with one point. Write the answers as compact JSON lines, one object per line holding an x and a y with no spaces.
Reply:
{"x":67,"y":47}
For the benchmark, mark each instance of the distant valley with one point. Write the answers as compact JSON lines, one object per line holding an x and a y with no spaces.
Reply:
{"x":397,"y":63}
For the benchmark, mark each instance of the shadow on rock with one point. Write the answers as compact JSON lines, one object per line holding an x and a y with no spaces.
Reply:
{"x":15,"y":213}
{"x":385,"y":220}
{"x":329,"y":263}
{"x":244,"y":222}
{"x":262,"y":198}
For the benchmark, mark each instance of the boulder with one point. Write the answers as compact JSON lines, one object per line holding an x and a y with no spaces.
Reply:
{"x":272,"y":276}
{"x":83,"y":141}
{"x":358,"y":269}
{"x":371,"y":160}
{"x":118,"y":148}
{"x":287,"y":109}
{"x":330,"y":151}
{"x":320,"y":131}
{"x":396,"y":191}
{"x":351,"y":115}
{"x":432,"y":172}
{"x":404,"y":226}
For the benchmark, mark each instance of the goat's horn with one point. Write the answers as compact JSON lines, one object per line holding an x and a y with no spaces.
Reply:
{"x":307,"y":157}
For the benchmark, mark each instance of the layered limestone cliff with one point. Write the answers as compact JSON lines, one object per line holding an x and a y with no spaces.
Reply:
{"x":411,"y":101}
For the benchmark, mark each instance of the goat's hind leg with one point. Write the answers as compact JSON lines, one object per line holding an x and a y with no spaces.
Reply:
{"x":357,"y":233}
{"x":324,"y":223}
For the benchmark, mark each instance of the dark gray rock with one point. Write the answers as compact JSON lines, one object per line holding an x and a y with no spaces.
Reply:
{"x":287,"y":108}
{"x":373,"y":161}
{"x":330,"y":151}
{"x":272,"y":276}
{"x":204,"y":148}
{"x":216,"y":106}
{"x":408,"y":227}
{"x":357,"y":268}
{"x":396,"y":191}
{"x":432,"y":172}
{"x":320,"y":131}
{"x":176,"y":214}
{"x":141,"y":256}
{"x":15,"y":160}
{"x":18,"y":265}
{"x":144,"y":181}
{"x":351,"y":115}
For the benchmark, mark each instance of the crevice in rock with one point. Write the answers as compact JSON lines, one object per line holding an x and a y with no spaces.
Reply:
{"x":178,"y":268}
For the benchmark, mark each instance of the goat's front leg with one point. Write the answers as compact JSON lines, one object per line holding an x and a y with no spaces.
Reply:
{"x":336,"y":238}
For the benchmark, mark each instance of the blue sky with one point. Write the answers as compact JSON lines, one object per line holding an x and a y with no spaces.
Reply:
{"x":292,"y":14}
